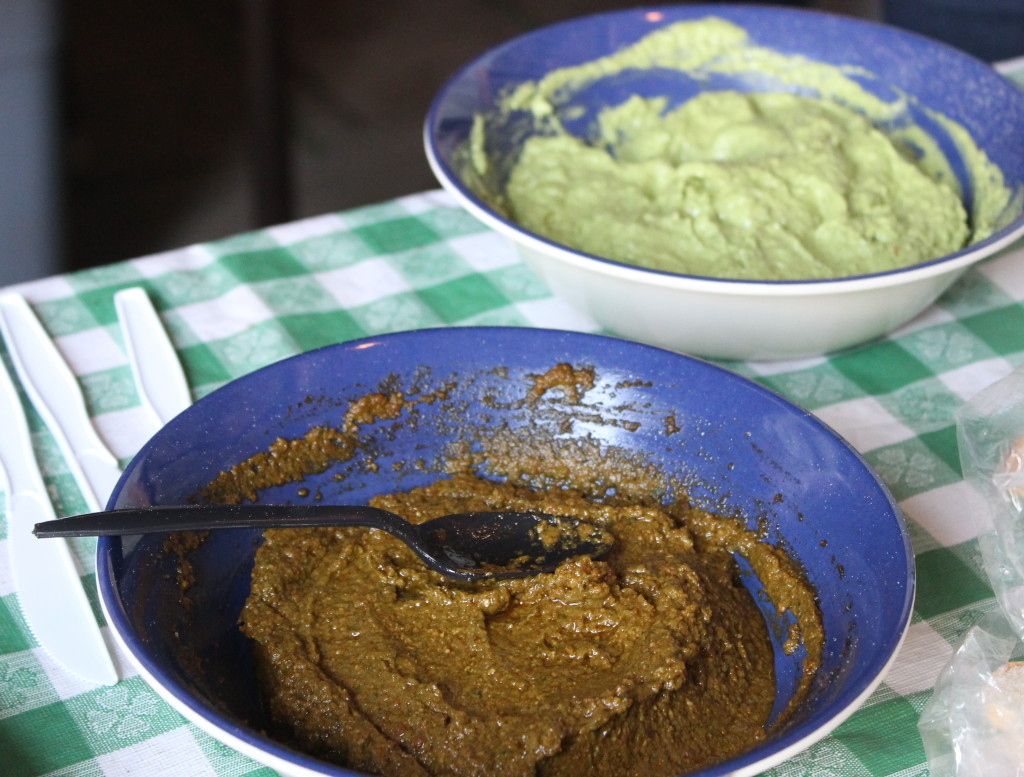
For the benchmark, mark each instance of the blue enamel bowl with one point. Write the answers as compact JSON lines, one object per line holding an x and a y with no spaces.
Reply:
{"x":739,"y":449}
{"x":923,"y":84}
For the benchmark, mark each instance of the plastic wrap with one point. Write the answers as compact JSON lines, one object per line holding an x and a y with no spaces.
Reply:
{"x":973,"y":725}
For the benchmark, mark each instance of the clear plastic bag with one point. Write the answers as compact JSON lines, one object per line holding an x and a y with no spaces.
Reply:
{"x":990,"y":433}
{"x":973,"y":725}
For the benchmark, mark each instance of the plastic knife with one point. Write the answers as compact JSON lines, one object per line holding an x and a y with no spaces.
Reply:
{"x":156,"y":368}
{"x":49,"y":588}
{"x":56,"y":395}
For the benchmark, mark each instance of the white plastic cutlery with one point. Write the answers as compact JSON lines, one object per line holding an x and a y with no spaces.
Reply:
{"x":49,"y":588}
{"x":158,"y":376}
{"x":56,"y":395}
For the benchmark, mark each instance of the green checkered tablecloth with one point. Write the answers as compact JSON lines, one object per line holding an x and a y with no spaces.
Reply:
{"x":234,"y":305}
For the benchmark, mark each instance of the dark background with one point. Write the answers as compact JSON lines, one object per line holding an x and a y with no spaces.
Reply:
{"x":157,"y":132}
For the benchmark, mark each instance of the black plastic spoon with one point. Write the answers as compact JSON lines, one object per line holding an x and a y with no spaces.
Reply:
{"x":465,"y":546}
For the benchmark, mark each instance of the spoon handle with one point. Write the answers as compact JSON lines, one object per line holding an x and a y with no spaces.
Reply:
{"x":144,"y":520}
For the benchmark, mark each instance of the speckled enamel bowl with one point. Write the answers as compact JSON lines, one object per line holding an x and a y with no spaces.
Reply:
{"x":739,"y":448}
{"x":734,"y":319}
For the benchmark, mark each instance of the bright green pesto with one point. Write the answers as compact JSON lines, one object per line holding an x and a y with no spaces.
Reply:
{"x":734,"y":185}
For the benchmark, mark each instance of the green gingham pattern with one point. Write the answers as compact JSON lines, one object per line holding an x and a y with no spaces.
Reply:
{"x":235,"y":305}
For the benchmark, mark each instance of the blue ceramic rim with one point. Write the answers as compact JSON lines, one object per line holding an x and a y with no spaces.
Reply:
{"x":983,"y":248}
{"x":109,"y":552}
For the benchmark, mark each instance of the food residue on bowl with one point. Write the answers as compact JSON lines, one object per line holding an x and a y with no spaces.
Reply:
{"x":654,"y":659}
{"x":792,"y":180}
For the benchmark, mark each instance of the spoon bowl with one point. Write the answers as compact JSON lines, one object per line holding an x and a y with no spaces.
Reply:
{"x":463,"y":546}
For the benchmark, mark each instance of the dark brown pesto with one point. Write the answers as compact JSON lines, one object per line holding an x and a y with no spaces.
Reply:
{"x":652,"y":661}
